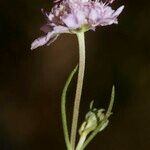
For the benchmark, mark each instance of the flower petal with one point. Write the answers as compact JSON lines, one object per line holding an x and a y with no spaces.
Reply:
{"x":42,"y":40}
{"x":70,"y":21}
{"x":50,"y":37}
{"x":61,"y":29}
{"x":118,"y":11}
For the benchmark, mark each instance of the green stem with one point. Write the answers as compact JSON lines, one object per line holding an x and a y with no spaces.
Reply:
{"x":81,"y":42}
{"x":81,"y":141}
{"x":108,"y":113}
{"x":63,"y":109}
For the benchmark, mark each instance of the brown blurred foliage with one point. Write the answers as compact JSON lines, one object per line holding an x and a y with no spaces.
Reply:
{"x":31,"y":81}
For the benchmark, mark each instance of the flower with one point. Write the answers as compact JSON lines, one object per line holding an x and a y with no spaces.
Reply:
{"x":73,"y":16}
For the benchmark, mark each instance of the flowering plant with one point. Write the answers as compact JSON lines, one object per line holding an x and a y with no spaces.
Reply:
{"x":77,"y":17}
{"x":74,"y":16}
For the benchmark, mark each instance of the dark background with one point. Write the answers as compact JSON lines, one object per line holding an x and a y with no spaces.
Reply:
{"x":31,"y":81}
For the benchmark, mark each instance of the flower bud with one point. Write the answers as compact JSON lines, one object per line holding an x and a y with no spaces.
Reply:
{"x":92,"y":119}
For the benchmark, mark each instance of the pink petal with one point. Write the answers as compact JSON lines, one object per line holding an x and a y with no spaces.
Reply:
{"x":118,"y":11}
{"x":71,"y":21}
{"x":42,"y":40}
{"x":49,"y":38}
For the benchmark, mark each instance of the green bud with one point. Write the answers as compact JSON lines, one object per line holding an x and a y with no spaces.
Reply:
{"x":92,"y":119}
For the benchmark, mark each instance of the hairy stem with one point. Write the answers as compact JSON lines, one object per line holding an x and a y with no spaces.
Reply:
{"x":81,"y":41}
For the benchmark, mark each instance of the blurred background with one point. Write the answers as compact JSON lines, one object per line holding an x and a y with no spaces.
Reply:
{"x":31,"y":82}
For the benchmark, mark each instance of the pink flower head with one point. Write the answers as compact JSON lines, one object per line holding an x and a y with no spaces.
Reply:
{"x":73,"y":16}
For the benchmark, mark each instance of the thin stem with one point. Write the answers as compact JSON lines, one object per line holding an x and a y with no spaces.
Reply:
{"x":81,"y":42}
{"x":108,"y":113}
{"x":81,"y":141}
{"x":63,"y":109}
